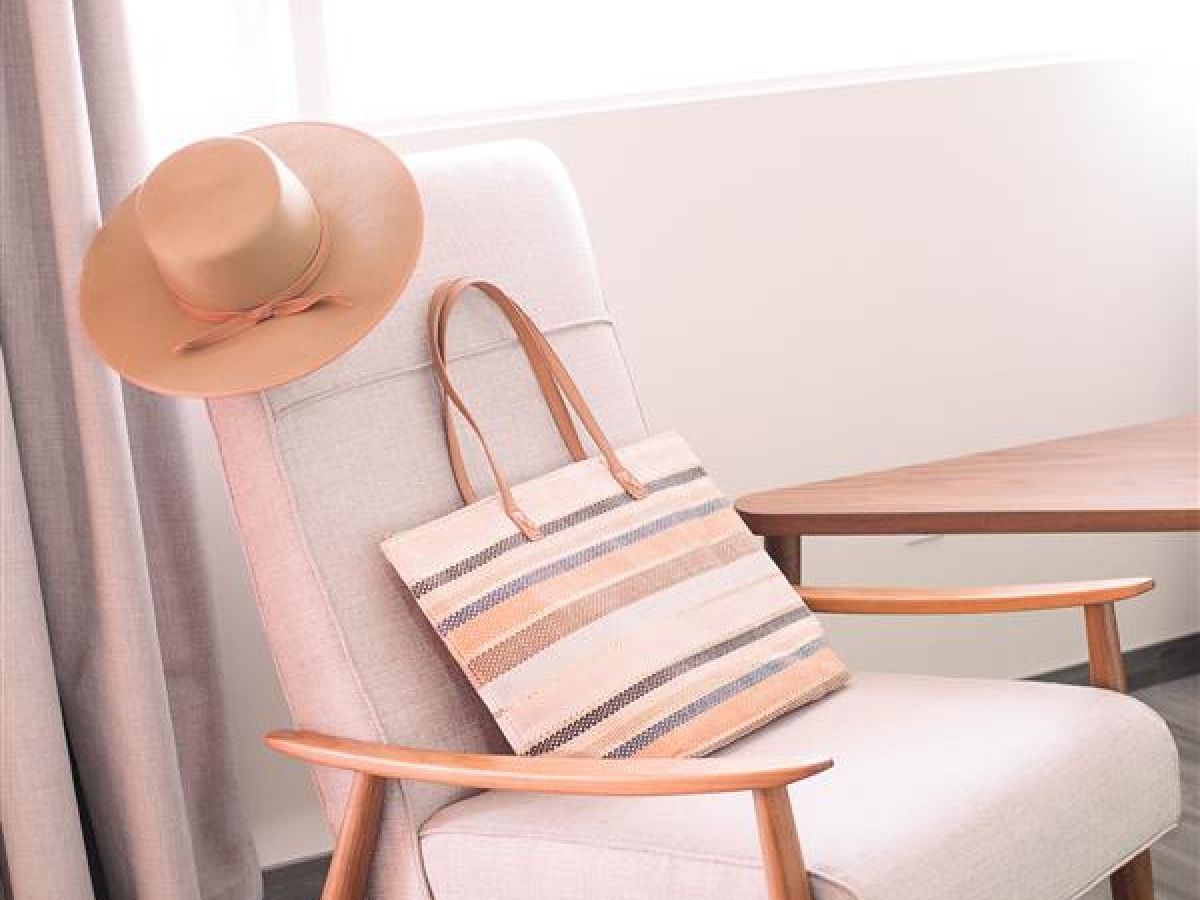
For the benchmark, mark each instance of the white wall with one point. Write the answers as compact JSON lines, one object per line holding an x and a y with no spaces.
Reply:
{"x":821,"y":281}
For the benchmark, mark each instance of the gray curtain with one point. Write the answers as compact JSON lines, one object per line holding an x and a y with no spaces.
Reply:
{"x":116,"y":778}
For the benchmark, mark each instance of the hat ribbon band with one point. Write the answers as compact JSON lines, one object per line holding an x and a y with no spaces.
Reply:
{"x":288,"y":302}
{"x":244,"y":321}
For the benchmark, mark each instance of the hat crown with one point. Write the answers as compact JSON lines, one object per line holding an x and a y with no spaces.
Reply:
{"x":228,"y":224}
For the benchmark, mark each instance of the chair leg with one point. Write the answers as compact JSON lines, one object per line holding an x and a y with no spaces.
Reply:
{"x":787,"y":878}
{"x":1134,"y":880}
{"x":1106,"y":669}
{"x":347,"y":878}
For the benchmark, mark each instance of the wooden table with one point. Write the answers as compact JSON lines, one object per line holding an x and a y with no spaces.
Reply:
{"x":1141,"y":478}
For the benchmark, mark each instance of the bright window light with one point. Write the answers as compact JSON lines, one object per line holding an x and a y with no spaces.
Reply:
{"x":402,"y":62}
{"x":390,"y":66}
{"x":211,"y":67}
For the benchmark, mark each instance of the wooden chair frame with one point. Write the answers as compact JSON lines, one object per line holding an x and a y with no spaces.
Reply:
{"x":783,"y":862}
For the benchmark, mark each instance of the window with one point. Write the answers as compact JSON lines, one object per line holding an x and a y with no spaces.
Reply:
{"x":210,"y":67}
{"x":390,"y":65}
{"x":397,"y":63}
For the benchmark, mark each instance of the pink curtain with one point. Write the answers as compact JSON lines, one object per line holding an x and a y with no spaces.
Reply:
{"x":116,"y":778}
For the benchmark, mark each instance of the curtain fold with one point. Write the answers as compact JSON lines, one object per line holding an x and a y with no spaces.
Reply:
{"x":109,"y":656}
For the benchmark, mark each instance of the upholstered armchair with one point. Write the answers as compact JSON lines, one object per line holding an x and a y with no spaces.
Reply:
{"x":895,"y":788}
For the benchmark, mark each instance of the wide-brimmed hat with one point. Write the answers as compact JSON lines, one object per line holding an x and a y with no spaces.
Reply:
{"x":244,"y":262}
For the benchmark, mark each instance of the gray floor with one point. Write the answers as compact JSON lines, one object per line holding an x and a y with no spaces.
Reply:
{"x":1177,"y":856}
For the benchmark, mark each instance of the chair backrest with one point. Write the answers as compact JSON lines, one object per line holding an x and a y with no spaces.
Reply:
{"x":320,"y":470}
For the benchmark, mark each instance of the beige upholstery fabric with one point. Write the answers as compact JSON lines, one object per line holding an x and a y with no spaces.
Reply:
{"x":942,"y":789}
{"x":320,"y":470}
{"x":1018,"y":781}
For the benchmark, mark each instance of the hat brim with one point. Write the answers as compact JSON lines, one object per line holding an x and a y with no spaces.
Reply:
{"x":373,"y":214}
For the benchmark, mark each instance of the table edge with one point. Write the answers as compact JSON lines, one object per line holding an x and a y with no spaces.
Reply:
{"x":799,"y":522}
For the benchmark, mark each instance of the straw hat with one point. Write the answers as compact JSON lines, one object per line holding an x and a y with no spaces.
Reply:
{"x":244,"y":262}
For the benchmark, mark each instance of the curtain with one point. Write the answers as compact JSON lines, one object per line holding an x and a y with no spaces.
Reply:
{"x":116,"y":777}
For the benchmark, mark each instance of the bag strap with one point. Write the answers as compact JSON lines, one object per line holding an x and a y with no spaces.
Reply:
{"x":529,"y":337}
{"x":549,"y":368}
{"x":544,"y":359}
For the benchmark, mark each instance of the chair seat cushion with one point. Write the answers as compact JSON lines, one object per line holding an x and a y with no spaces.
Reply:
{"x":955,"y":788}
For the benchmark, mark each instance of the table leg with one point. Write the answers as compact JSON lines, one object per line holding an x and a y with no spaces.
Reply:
{"x":785,"y":551}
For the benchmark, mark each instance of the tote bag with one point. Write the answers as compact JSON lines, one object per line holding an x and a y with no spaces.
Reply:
{"x":614,"y":607}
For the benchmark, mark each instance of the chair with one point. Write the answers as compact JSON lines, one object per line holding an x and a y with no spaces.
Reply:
{"x":965,"y":789}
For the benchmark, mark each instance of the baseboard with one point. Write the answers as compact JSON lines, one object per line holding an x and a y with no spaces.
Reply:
{"x":301,"y":879}
{"x":1145,"y":666}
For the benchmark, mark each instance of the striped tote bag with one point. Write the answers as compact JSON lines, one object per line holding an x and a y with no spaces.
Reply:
{"x":615,"y":607}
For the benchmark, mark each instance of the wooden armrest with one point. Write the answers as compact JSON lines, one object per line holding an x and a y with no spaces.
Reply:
{"x":544,"y":774}
{"x":951,"y":600}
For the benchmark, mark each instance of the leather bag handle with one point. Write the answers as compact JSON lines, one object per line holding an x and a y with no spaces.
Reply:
{"x":548,"y":368}
{"x":530,"y":339}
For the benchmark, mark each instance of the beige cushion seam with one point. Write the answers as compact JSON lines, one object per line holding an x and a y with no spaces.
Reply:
{"x":1142,"y":847}
{"x":340,"y":634}
{"x":579,"y":842}
{"x":377,"y":378}
{"x":629,"y":848}
{"x":308,"y":558}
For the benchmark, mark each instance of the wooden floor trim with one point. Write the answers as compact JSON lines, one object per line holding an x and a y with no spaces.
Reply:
{"x":1144,"y":667}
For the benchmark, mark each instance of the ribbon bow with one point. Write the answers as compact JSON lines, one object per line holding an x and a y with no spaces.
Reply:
{"x":288,"y":302}
{"x":236,"y":323}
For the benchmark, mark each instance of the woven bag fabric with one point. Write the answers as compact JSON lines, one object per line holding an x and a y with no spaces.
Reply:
{"x":596,"y":620}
